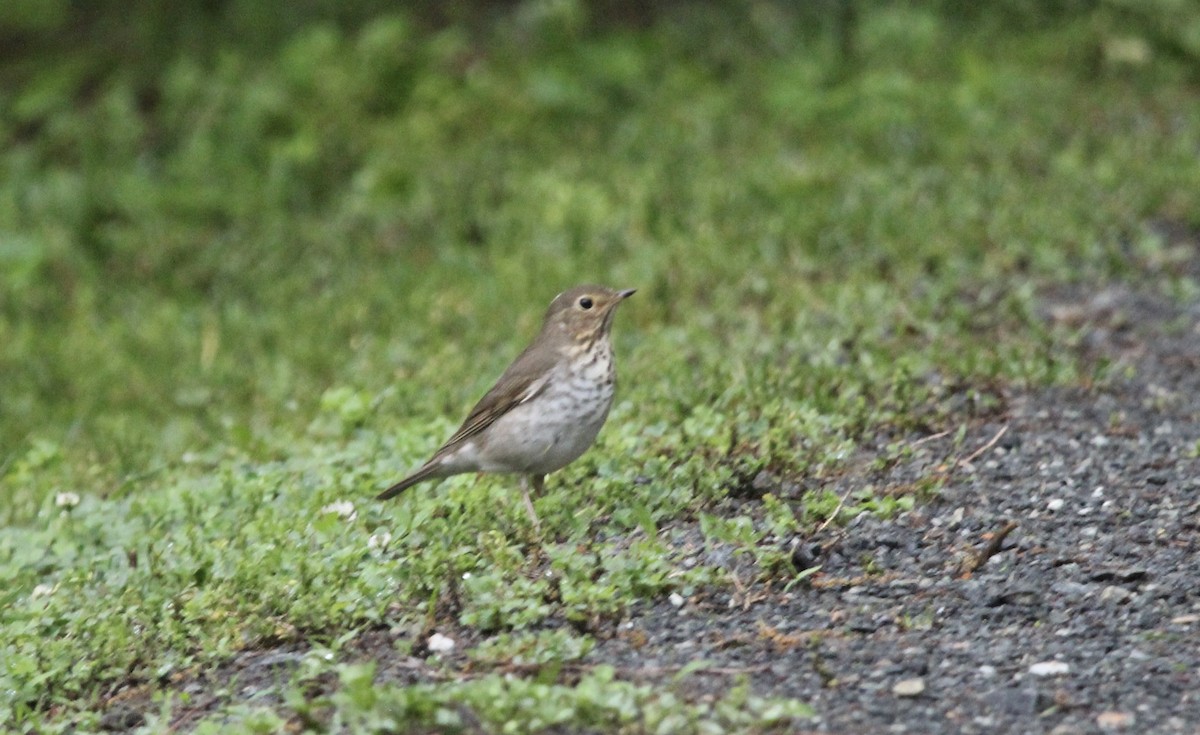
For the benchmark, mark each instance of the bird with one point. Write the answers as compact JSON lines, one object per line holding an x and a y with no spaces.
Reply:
{"x":547,"y":408}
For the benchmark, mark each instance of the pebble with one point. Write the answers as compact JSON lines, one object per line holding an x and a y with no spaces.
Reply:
{"x":439,"y":643}
{"x":805,"y":555}
{"x":121,"y":718}
{"x":1071,"y":590}
{"x":342,"y":509}
{"x":1055,"y":504}
{"x":987,"y":671}
{"x":1049,"y":668}
{"x":909,"y":687}
{"x":1132,"y":574}
{"x":1114,"y":720}
{"x":1113,"y":593}
{"x":676,"y":599}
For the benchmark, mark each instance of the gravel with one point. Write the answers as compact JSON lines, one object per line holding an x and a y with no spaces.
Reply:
{"x":1085,"y":619}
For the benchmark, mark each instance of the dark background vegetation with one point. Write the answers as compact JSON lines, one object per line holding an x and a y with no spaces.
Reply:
{"x":169,"y":166}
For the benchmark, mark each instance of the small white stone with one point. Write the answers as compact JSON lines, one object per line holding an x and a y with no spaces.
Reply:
{"x":66,"y":500}
{"x":1114,"y":593}
{"x":439,"y":643}
{"x":987,"y":671}
{"x":1055,"y":504}
{"x":676,"y":599}
{"x":1115,"y":720}
{"x":342,"y":509}
{"x":909,"y":687}
{"x":1049,"y":668}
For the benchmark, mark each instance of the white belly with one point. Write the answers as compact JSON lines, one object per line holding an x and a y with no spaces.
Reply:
{"x":555,"y":428}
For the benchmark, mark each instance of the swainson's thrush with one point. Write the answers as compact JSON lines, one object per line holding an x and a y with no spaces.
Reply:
{"x":547,"y":407}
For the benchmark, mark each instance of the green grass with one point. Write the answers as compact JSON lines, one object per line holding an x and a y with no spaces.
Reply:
{"x":599,"y":699}
{"x":234,"y":309}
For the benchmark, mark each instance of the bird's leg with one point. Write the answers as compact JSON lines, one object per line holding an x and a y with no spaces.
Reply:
{"x":538,"y":483}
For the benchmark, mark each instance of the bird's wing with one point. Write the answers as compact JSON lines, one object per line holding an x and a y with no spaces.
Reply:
{"x":524,"y":380}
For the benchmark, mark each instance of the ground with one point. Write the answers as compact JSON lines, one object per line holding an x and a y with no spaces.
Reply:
{"x":1101,"y":486}
{"x":1047,"y":586}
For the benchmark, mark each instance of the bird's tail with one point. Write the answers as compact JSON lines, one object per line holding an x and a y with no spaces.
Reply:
{"x":428,"y":472}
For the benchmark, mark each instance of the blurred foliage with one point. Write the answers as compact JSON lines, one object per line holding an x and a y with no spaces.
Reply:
{"x":213,"y":210}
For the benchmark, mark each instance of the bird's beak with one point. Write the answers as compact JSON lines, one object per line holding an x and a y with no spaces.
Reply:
{"x":626,"y":293}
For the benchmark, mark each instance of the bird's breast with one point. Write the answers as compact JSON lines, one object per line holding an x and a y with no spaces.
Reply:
{"x":560,"y":423}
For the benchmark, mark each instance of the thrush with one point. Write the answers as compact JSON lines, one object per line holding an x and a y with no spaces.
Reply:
{"x":547,"y":407}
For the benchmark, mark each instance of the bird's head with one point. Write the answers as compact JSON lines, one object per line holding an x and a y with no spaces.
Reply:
{"x":584,"y":312}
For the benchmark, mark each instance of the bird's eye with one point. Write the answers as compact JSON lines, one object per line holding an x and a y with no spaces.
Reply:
{"x":585,"y":302}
